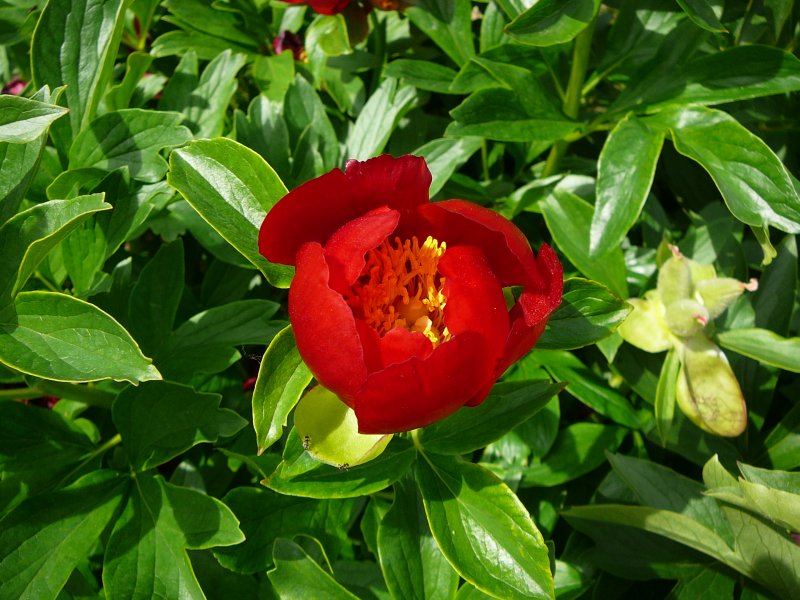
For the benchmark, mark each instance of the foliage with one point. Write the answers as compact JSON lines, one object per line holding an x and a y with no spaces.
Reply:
{"x":149,"y":378}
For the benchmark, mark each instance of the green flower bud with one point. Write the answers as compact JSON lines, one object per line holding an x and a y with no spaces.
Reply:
{"x":685,"y":318}
{"x":645,"y":327}
{"x":719,"y":293}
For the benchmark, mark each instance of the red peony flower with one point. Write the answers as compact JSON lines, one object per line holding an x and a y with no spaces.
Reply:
{"x":323,"y":7}
{"x":397,"y":303}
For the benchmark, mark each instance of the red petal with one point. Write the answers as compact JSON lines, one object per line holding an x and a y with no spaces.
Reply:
{"x":418,"y":392}
{"x":400,"y":344}
{"x":324,"y":326}
{"x":475,"y":299}
{"x":535,"y":305}
{"x":507,"y":249}
{"x":316,"y":209}
{"x":346,"y":248}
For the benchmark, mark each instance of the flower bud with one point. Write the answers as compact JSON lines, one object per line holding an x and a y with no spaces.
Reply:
{"x":686,"y":318}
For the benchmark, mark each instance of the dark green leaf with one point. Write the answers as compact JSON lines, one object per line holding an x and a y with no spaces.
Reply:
{"x":159,"y":420}
{"x":588,"y":313}
{"x":378,"y":118}
{"x":422,"y":74}
{"x":410,"y":559}
{"x":471,"y":428}
{"x":59,"y":337}
{"x":146,"y":553}
{"x":297,"y":575}
{"x":702,"y":15}
{"x":38,"y":449}
{"x":483,"y":529}
{"x":625,"y":173}
{"x":301,"y":475}
{"x":233,"y":189}
{"x":448,"y":24}
{"x":43,"y":539}
{"x":577,"y":451}
{"x":282,"y":377}
{"x":266,"y":516}
{"x":550,"y":22}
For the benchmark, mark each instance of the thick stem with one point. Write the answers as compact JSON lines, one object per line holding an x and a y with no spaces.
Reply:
{"x":572,"y":99}
{"x":24,"y":393}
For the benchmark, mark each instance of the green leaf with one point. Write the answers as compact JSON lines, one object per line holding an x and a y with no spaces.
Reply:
{"x":27,"y":238}
{"x":18,"y":166}
{"x":378,"y":118}
{"x":625,"y":173}
{"x":132,"y":138}
{"x":204,"y":17}
{"x":422,"y":74}
{"x":702,"y":14}
{"x":753,"y":181}
{"x":588,"y":313}
{"x":207,"y":342}
{"x":764,"y":346}
{"x":266,"y":516}
{"x":328,"y":35}
{"x":471,"y":428}
{"x":550,"y":22}
{"x":23,"y":120}
{"x":565,"y":214}
{"x":301,"y":475}
{"x":578,"y":450}
{"x":233,"y":189}
{"x":296,"y":575}
{"x":59,"y":337}
{"x":444,"y":156}
{"x":154,"y":299}
{"x":38,"y":449}
{"x":659,"y":487}
{"x":75,"y":44}
{"x":588,"y":387}
{"x":508,"y":116}
{"x":665,"y":395}
{"x":120,"y":96}
{"x":448,"y":24}
{"x":483,"y":529}
{"x":412,"y":564}
{"x":45,"y":538}
{"x":146,"y":553}
{"x":282,"y":378}
{"x":159,"y":420}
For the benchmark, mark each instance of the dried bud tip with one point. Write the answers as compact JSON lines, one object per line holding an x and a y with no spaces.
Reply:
{"x":752,"y":285}
{"x":675,"y":251}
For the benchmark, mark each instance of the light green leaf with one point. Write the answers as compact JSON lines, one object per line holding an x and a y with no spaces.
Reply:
{"x":59,"y":337}
{"x":412,"y":564}
{"x":27,"y":238}
{"x":296,"y":575}
{"x":282,"y":378}
{"x":550,"y":22}
{"x":471,"y":428}
{"x":45,"y":538}
{"x":444,"y":156}
{"x":75,"y":44}
{"x":422,"y":74}
{"x":764,"y":346}
{"x":132,"y":138}
{"x":665,"y":395}
{"x":483,"y":529}
{"x":625,"y":173}
{"x":233,"y":189}
{"x":146,"y":553}
{"x":448,"y":24}
{"x":22,"y":120}
{"x":378,"y":119}
{"x":159,"y":420}
{"x":565,"y":213}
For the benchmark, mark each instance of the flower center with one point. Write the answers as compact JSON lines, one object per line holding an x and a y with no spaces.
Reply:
{"x":400,"y":286}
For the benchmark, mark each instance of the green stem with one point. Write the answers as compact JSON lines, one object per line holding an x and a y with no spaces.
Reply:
{"x":25,"y":393}
{"x":485,"y":159}
{"x":572,"y":99}
{"x":110,"y":443}
{"x":80,"y":393}
{"x":47,"y":283}
{"x":379,"y":27}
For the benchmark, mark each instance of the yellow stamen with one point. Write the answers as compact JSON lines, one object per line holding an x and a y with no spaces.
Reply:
{"x":400,"y":286}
